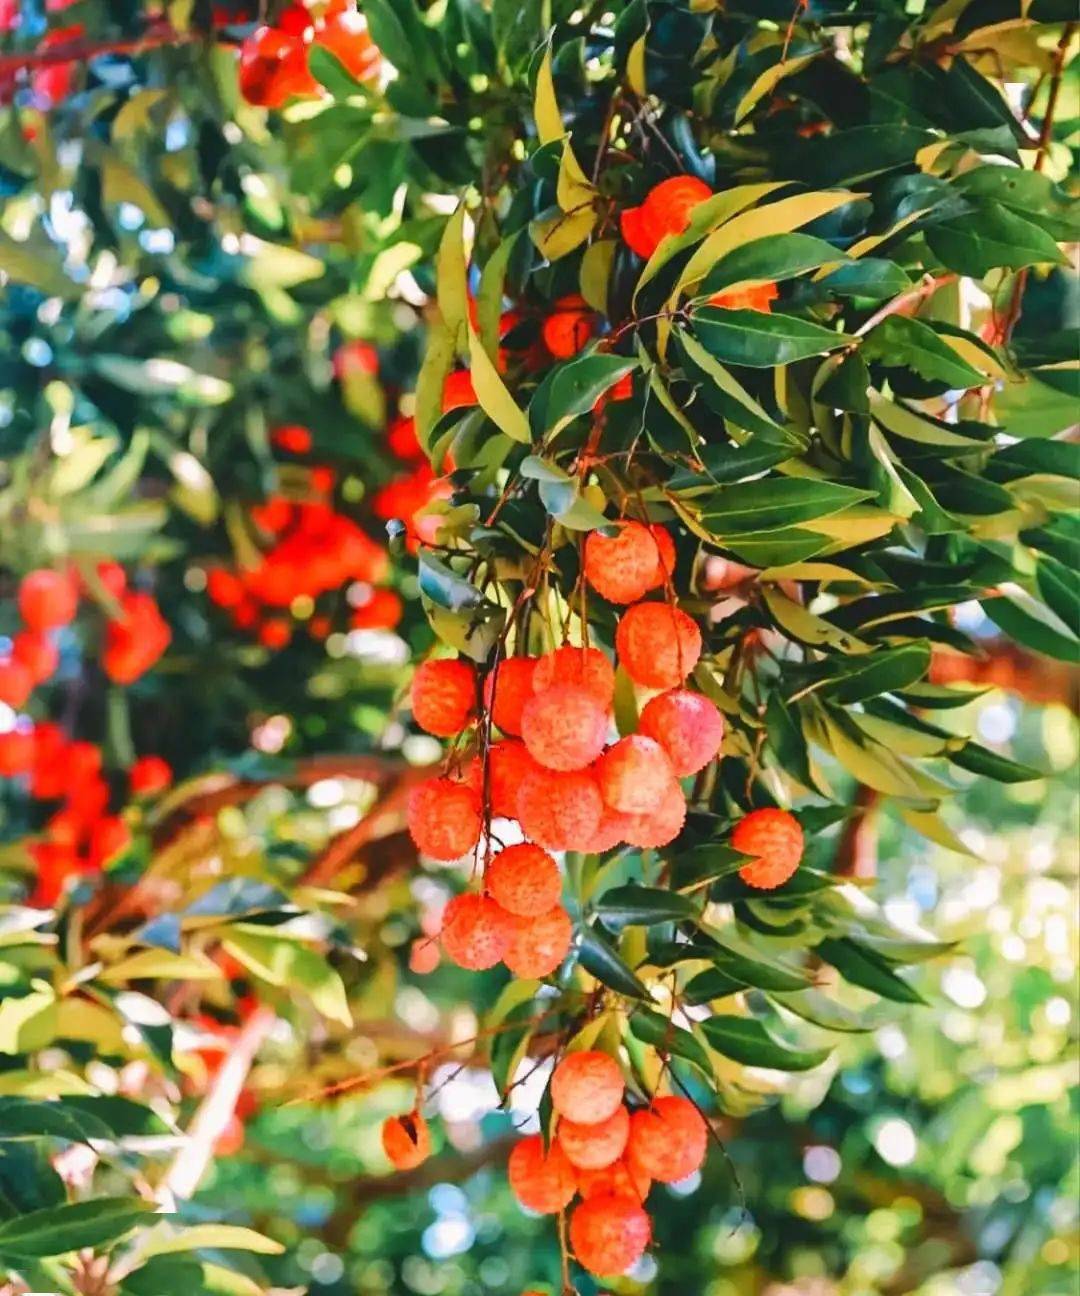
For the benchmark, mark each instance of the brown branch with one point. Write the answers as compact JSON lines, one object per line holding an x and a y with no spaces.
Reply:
{"x":899,"y":305}
{"x":856,"y":851}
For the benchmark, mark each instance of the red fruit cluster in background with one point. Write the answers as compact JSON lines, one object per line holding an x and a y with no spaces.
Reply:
{"x":609,"y":1156}
{"x":314,"y":550}
{"x":274,"y":60}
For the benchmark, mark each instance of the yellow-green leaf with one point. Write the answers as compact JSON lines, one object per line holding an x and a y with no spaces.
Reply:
{"x":450,"y":274}
{"x":284,"y":962}
{"x":595,"y":273}
{"x":545,"y":106}
{"x":768,"y":81}
{"x":494,"y":398}
{"x":161,"y":964}
{"x":556,"y":236}
{"x":573,"y":189}
{"x":635,"y":67}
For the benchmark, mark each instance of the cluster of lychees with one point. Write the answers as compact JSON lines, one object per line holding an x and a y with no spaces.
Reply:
{"x":135,"y":636}
{"x":80,"y":836}
{"x":556,"y":770}
{"x":274,"y":60}
{"x":314,"y":550}
{"x":607,"y":1154}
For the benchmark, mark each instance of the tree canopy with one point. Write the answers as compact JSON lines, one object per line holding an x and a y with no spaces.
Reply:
{"x":443,"y":438}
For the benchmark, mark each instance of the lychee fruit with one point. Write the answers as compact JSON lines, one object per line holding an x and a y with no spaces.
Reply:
{"x":609,"y":1234}
{"x":542,"y":1180}
{"x":538,"y":945}
{"x":476,"y":932}
{"x":586,"y":668}
{"x":587,"y":1087}
{"x":507,"y":689}
{"x":47,"y":599}
{"x":621,"y":1179}
{"x":444,"y":818}
{"x":775,"y":837}
{"x":525,"y":880}
{"x":622,"y":567}
{"x":666,"y":557}
{"x":634,"y":775}
{"x":443,"y":696}
{"x":661,"y":826}
{"x":658,"y":645}
{"x":668,"y":1139}
{"x":592,"y":1147}
{"x":406,"y":1140}
{"x":688,"y":727}
{"x":560,"y":810}
{"x":564,"y":727}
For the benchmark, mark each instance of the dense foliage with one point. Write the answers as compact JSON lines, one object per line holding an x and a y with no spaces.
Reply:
{"x":732,"y":345}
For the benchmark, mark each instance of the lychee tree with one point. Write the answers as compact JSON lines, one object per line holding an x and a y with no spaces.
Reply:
{"x":753,"y":416}
{"x":746,"y":363}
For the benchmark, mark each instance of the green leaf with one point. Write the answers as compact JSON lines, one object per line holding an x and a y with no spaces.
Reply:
{"x":450,"y":274}
{"x":287,"y":963}
{"x":989,"y":764}
{"x":668,"y":1038}
{"x":634,"y":905}
{"x":325,"y":66}
{"x":760,"y":341}
{"x":875,"y":673}
{"x":737,"y":960}
{"x":597,"y":957}
{"x":815,"y":1007}
{"x":775,"y":503}
{"x":872,"y":277}
{"x":734,"y":402}
{"x":577,"y":385}
{"x":511,"y":1044}
{"x":900,"y":342}
{"x":864,"y":967}
{"x":61,"y":1229}
{"x":745,"y":1040}
{"x":492,"y":394}
{"x":709,"y":985}
{"x":1022,"y":621}
{"x":990,"y":238}
{"x":767,"y":260}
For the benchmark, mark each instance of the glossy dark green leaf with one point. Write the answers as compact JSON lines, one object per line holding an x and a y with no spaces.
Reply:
{"x":722,"y":465}
{"x":864,"y":967}
{"x":989,"y":764}
{"x":869,"y":675}
{"x":669,"y":1039}
{"x":634,"y":905}
{"x":900,"y":342}
{"x":745,"y":1040}
{"x":991,"y":238}
{"x":711,"y":984}
{"x":778,"y":257}
{"x":776,"y":503}
{"x":1030,"y":631}
{"x":579,"y":384}
{"x":597,"y":955}
{"x":760,"y":341}
{"x":873,"y":277}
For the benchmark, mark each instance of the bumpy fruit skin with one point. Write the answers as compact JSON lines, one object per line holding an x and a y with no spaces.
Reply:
{"x":508,"y":763}
{"x":609,"y":1234}
{"x":661,"y":826}
{"x":688,"y":727}
{"x":561,"y":811}
{"x":585,"y":668}
{"x":776,"y":839}
{"x":610,"y":832}
{"x":665,"y":563}
{"x":564,"y":727}
{"x":542,"y":1182}
{"x":443,"y":696}
{"x":621,"y":1179}
{"x":47,"y":599}
{"x":444,"y":818}
{"x":476,"y":932}
{"x":587,"y":1087}
{"x":406,"y":1140}
{"x":622,"y":568}
{"x":539,"y":945}
{"x":658,"y":645}
{"x":525,"y":880}
{"x":635,"y":775}
{"x":593,"y":1147}
{"x":506,"y":691}
{"x":668,"y":1139}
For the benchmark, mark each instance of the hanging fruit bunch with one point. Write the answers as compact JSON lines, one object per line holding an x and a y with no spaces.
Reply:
{"x":728,"y":381}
